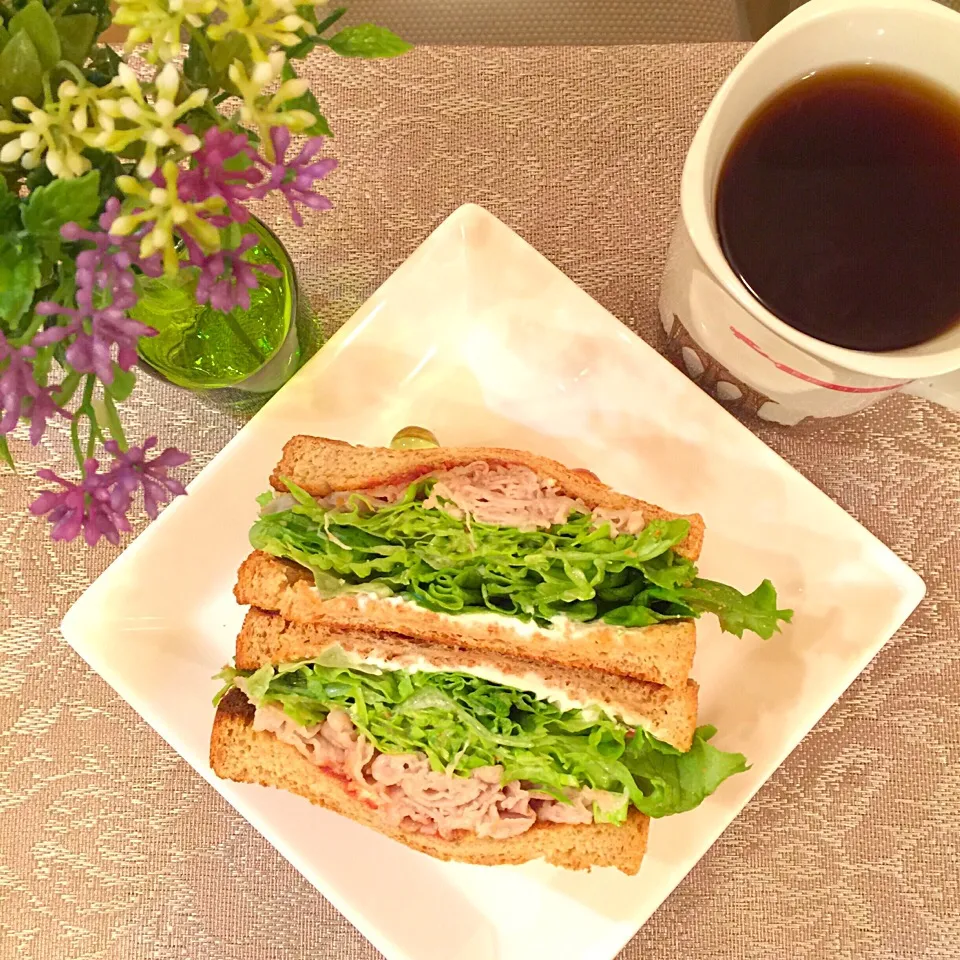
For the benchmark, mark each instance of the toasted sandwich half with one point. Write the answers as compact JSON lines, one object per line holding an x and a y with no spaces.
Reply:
{"x":489,"y":549}
{"x":459,"y":754}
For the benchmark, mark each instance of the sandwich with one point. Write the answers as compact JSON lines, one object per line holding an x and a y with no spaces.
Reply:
{"x":478,"y":652}
{"x":462,"y":754}
{"x":491,"y":550}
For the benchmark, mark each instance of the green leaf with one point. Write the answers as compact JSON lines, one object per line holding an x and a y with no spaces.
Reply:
{"x":19,"y":277}
{"x":4,"y":36}
{"x":21,"y":74}
{"x":34,"y":20}
{"x":9,"y":207}
{"x":308,"y":102}
{"x":214,"y":72}
{"x":67,"y":389}
{"x":77,"y":33}
{"x":368,"y":41}
{"x":737,"y":612}
{"x":60,"y":202}
{"x":196,"y":67}
{"x":672,"y":781}
{"x":199,"y":121}
{"x":258,"y":682}
{"x":5,"y":455}
{"x":99,"y":8}
{"x":223,"y":53}
{"x":42,"y":363}
{"x":123,"y":384}
{"x":103,"y":65}
{"x":112,"y":418}
{"x":109,"y":167}
{"x":231,"y":236}
{"x":39,"y":177}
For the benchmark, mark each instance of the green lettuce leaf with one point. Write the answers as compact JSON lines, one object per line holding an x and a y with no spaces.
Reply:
{"x":226,"y":676}
{"x":575,"y":569}
{"x":736,"y":611}
{"x":461,"y":722}
{"x":673,"y":782}
{"x":612,"y":814}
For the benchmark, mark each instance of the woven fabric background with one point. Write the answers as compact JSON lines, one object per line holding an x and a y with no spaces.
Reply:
{"x":111,"y":848}
{"x":557,"y":21}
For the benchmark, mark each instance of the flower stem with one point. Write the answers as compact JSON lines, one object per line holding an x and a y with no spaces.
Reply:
{"x":75,"y":438}
{"x":71,"y":68}
{"x":86,"y":409}
{"x":35,"y":324}
{"x":244,"y":337}
{"x":114,"y":424}
{"x":68,"y":388}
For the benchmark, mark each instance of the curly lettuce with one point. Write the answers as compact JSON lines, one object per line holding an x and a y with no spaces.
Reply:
{"x":576,"y":569}
{"x":462,"y":722}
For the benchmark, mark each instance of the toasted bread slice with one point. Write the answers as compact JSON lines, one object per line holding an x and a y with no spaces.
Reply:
{"x":238,"y":752}
{"x":321,"y":466}
{"x":669,"y":714}
{"x":662,"y":653}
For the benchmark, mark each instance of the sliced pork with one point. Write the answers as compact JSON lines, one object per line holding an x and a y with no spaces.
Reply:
{"x":499,"y":494}
{"x":417,"y":798}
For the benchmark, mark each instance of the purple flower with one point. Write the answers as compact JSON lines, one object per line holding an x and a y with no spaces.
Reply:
{"x":132,"y":470}
{"x":98,"y":505}
{"x":225,"y":278}
{"x":96,"y":332}
{"x":222,"y":167}
{"x":16,"y":382}
{"x":81,"y":506}
{"x":296,"y":178}
{"x":21,"y":395}
{"x":106,"y":291}
{"x":106,"y":265}
{"x":42,"y":409}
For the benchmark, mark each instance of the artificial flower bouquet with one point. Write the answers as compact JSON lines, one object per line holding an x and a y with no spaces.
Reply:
{"x":114,"y":172}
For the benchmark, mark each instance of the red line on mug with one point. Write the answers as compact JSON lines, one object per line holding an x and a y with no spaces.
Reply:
{"x":839,"y":387}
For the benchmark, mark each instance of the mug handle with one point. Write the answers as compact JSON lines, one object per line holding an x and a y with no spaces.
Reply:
{"x":944,"y":390}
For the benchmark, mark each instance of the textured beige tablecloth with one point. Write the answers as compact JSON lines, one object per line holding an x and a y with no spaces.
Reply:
{"x":111,"y":847}
{"x":523,"y":22}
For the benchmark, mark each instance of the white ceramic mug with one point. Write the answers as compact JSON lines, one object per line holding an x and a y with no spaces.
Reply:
{"x":717,"y":331}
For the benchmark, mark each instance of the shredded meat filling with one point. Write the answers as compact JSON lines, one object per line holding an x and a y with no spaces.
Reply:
{"x":415,"y":797}
{"x":500,"y":494}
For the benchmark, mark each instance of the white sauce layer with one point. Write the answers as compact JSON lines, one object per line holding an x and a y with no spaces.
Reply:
{"x":530,"y":682}
{"x":561,"y":629}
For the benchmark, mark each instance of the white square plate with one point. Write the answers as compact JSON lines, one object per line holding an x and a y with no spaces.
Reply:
{"x":482,"y":340}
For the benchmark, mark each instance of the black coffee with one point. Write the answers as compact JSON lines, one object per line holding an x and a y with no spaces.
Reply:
{"x":838,"y":205}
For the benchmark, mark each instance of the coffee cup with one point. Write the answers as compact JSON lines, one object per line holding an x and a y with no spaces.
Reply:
{"x":718,"y":332}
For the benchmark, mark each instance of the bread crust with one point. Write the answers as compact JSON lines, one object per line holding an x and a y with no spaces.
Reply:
{"x":240,"y":753}
{"x":662,"y":653}
{"x":320,"y":466}
{"x":668,"y":714}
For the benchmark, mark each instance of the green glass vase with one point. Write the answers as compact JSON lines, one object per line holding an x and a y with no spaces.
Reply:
{"x":239,"y":358}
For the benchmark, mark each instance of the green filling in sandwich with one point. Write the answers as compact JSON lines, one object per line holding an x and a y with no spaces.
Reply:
{"x":577,"y":569}
{"x":461,"y":723}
